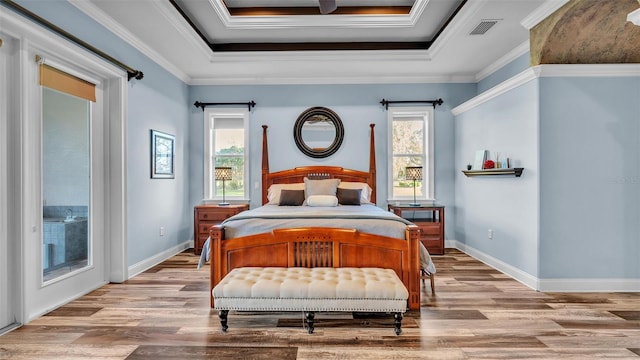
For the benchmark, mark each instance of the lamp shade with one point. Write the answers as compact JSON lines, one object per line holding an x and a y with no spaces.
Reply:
{"x":222,"y":173}
{"x":413,"y":173}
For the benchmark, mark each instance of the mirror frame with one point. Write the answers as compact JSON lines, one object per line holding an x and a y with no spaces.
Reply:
{"x":306,"y":115}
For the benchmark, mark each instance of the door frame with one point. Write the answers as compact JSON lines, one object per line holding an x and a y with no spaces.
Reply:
{"x":31,"y":38}
{"x":8,"y":283}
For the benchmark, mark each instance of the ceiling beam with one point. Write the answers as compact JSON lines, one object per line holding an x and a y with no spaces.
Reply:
{"x":322,"y":46}
{"x":344,"y":10}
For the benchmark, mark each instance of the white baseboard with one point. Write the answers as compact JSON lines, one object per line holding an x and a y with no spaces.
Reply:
{"x":517,"y":274}
{"x":148,"y":263}
{"x":549,"y":285}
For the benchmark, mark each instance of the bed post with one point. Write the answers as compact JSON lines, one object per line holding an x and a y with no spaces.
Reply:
{"x":265,"y":163}
{"x":216,"y":234}
{"x":413,"y":237}
{"x":372,"y":164}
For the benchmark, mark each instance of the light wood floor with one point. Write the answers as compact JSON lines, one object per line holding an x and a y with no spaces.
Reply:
{"x":476,"y":313}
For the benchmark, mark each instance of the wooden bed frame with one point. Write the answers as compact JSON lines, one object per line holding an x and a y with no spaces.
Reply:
{"x":318,"y":246}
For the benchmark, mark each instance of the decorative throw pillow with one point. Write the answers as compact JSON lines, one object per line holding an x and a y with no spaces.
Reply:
{"x":291,"y":197}
{"x":273,"y":194}
{"x":321,"y":187}
{"x":349,"y":196}
{"x":322,"y":200}
{"x":365,"y":197}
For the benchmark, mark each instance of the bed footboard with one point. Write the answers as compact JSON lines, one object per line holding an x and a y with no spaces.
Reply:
{"x":318,"y":247}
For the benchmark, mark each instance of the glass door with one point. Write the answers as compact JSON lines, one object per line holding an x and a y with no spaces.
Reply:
{"x":66,"y":184}
{"x":64,"y":188}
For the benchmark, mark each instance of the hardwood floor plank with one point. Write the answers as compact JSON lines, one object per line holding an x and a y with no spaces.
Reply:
{"x":58,"y":352}
{"x":476,"y":313}
{"x":218,"y":352}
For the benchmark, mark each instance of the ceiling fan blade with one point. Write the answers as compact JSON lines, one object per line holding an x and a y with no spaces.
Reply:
{"x":327,"y":6}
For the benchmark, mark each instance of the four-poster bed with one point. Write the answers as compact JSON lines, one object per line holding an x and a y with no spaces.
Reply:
{"x":338,"y":237}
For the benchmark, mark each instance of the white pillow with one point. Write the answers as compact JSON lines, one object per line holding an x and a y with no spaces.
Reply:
{"x":365,"y":194}
{"x":322,"y":200}
{"x":320,"y":187}
{"x":273,"y":194}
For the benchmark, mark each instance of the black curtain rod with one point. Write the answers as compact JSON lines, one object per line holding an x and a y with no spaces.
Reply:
{"x":202,"y":105}
{"x":131,"y":72}
{"x":432,"y":102}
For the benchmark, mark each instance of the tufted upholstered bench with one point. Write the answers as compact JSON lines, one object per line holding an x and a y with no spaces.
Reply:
{"x":311,"y":290}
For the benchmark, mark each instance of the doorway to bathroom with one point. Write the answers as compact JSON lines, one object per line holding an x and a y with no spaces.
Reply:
{"x":66,"y":183}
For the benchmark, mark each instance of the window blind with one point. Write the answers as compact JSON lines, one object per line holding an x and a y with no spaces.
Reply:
{"x":66,"y":83}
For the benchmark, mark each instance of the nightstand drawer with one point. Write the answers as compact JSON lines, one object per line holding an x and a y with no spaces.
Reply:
{"x":430,"y":229}
{"x":203,"y":227}
{"x":217,"y":215}
{"x":207,"y":215}
{"x":433,"y":244}
{"x":430,"y":221}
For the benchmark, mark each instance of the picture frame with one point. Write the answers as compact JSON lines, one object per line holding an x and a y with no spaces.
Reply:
{"x":162,"y":155}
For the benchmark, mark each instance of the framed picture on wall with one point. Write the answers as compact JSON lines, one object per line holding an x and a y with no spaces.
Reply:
{"x":162,"y":155}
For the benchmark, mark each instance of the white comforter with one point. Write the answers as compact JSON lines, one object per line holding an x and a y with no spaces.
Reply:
{"x":364,"y":218}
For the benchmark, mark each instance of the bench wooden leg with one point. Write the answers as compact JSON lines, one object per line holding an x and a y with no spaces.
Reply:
{"x":397,"y":323}
{"x":309,"y":315}
{"x":223,"y":319}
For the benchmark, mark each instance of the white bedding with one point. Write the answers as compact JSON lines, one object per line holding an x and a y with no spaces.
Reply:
{"x":366,"y":218}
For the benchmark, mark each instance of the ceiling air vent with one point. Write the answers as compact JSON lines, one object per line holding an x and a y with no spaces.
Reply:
{"x":483,"y":27}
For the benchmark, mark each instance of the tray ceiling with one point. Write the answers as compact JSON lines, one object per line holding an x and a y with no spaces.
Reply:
{"x":289,"y":41}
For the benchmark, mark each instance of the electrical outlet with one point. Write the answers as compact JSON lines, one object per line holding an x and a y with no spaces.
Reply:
{"x":161,"y":230}
{"x":490,"y":233}
{"x":256,"y":185}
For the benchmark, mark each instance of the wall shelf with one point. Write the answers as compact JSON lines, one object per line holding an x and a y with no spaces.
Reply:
{"x":517,"y":172}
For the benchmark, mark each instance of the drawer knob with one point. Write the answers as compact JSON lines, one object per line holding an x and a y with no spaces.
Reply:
{"x":205,"y":216}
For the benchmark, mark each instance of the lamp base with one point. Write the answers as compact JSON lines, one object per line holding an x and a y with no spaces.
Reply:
{"x":223,"y":204}
{"x":414,"y":204}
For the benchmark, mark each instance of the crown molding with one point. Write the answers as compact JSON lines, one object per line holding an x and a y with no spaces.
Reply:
{"x":589,"y":70}
{"x":323,"y":56}
{"x":503,"y":61}
{"x":106,"y":21}
{"x":551,"y":70}
{"x":333,"y":80}
{"x":183,"y":28}
{"x":505,"y":86}
{"x":317,"y":21}
{"x":542,"y":12}
{"x":461,"y":20}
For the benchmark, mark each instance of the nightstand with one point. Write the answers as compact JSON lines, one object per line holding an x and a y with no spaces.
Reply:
{"x":206,"y":215}
{"x":430,"y":220}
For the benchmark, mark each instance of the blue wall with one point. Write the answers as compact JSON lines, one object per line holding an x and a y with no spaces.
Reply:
{"x":278,"y":106}
{"x":159,"y":101}
{"x":574,"y":213}
{"x":590,"y":177}
{"x":507,"y":205}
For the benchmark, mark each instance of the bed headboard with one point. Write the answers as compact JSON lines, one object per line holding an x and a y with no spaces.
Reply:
{"x":297,"y":175}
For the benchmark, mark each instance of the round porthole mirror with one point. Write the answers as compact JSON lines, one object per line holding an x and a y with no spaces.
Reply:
{"x":318,"y":132}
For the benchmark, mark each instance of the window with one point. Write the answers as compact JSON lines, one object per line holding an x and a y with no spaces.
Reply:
{"x":227,"y":144}
{"x":410,"y":144}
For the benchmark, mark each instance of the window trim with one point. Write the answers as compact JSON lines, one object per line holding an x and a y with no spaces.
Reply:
{"x":427,"y":113}
{"x":209,"y":115}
